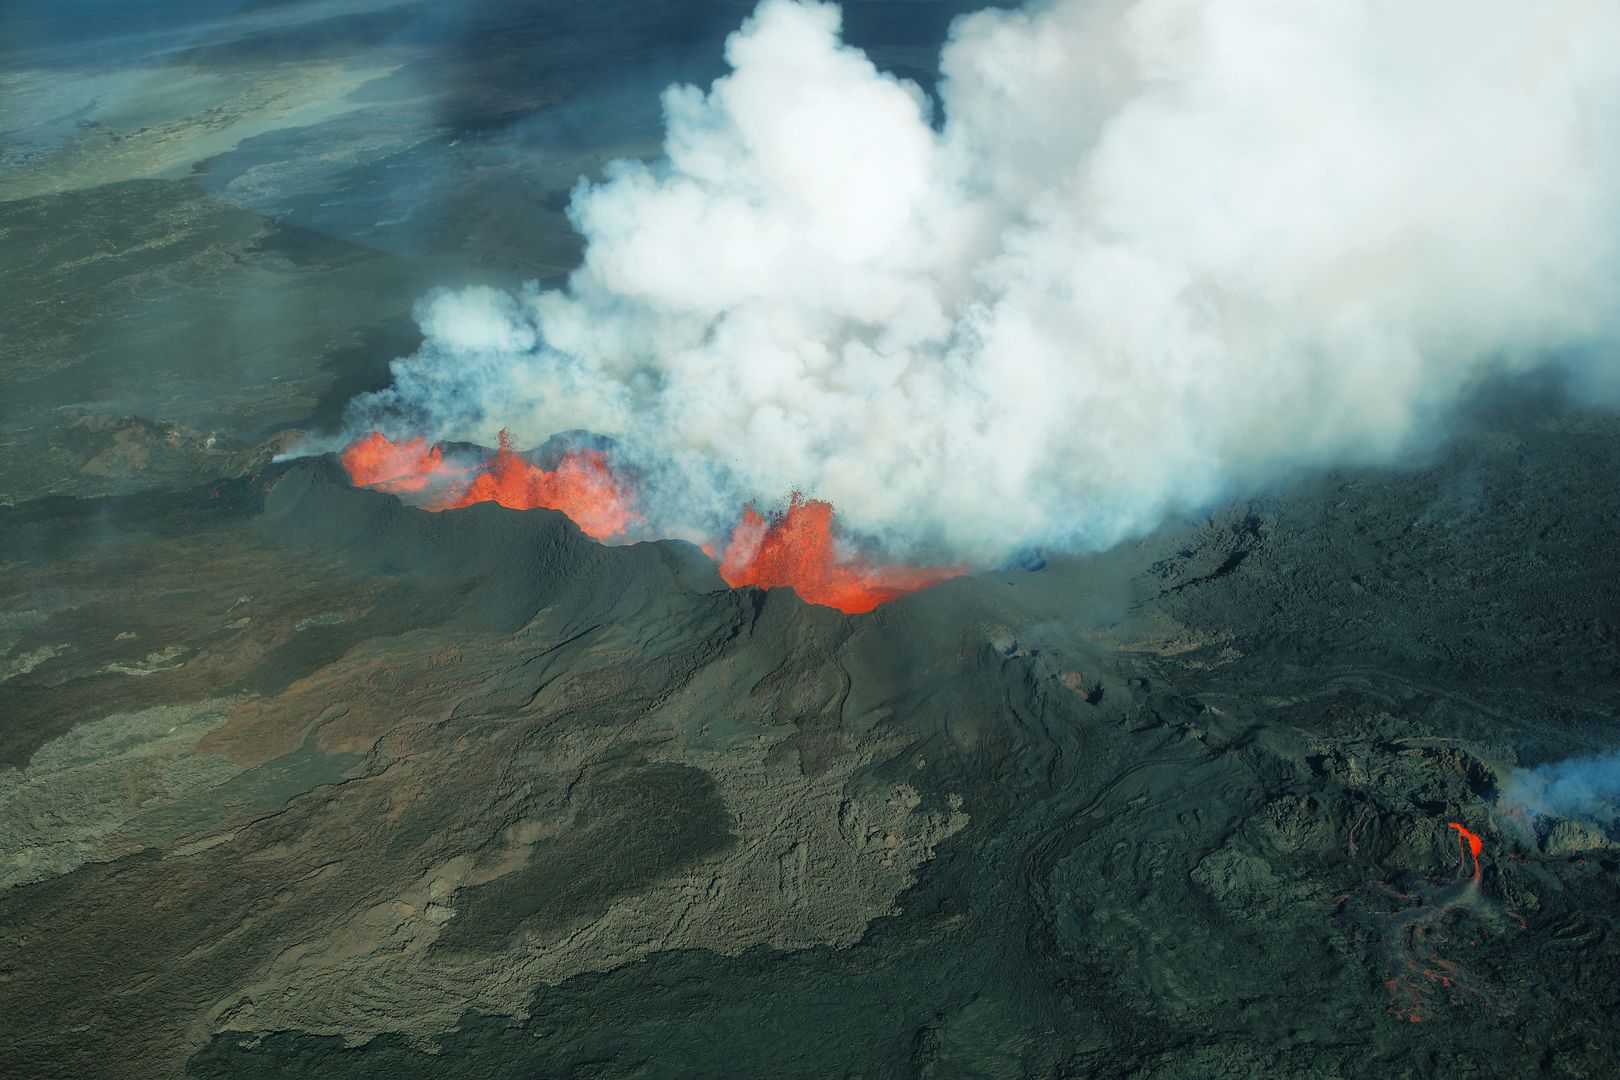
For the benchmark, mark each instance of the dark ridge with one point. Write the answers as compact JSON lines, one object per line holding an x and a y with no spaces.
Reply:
{"x":1229,"y":564}
{"x":510,"y":562}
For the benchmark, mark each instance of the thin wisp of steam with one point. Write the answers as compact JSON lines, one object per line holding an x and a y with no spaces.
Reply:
{"x":1584,"y":789}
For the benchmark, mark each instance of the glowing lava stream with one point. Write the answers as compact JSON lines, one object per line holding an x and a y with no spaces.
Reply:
{"x":1413,"y":940}
{"x":1471,"y":845}
{"x":795,"y":547}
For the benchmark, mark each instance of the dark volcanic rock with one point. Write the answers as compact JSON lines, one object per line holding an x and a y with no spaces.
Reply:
{"x":372,"y":791}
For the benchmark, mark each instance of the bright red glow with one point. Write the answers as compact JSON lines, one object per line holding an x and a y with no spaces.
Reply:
{"x":1471,"y":843}
{"x":582,"y":486}
{"x":378,"y":462}
{"x":795,"y":548}
{"x":1419,"y":929}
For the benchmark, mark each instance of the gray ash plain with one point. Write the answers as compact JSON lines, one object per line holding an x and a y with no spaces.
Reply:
{"x":296,"y":780}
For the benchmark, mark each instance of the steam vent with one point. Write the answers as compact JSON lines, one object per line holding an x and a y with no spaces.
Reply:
{"x":777,"y":539}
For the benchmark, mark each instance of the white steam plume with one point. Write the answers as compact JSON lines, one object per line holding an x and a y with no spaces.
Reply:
{"x":1152,"y":251}
{"x":1581,"y":789}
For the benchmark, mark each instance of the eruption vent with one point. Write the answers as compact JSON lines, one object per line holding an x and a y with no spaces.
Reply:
{"x":404,"y":467}
{"x":796,"y":548}
{"x":581,"y":486}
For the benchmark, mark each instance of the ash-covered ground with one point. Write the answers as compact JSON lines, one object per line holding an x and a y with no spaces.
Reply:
{"x":297,"y":780}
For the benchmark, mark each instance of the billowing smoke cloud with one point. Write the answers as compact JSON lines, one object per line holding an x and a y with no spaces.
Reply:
{"x":1580,"y":789}
{"x":1150,"y":252}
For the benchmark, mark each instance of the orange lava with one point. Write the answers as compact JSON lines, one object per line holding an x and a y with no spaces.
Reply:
{"x":378,"y":462}
{"x":795,"y":548}
{"x":582,"y":486}
{"x":792,"y":548}
{"x":1471,"y":844}
{"x":1416,"y":932}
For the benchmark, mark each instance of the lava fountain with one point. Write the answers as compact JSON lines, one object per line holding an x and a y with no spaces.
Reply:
{"x":376,"y":461}
{"x":796,"y":547}
{"x":583,"y":485}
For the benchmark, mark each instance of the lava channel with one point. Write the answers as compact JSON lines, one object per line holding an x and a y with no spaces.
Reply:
{"x":1416,"y":932}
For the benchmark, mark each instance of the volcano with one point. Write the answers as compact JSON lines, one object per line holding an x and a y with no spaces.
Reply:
{"x":748,"y":745}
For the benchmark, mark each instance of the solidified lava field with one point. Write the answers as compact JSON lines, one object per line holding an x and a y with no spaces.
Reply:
{"x":304,"y":776}
{"x":318,"y":783}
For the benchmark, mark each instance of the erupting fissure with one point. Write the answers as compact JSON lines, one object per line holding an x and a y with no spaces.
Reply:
{"x":796,"y":547}
{"x":376,"y":461}
{"x":583,"y":485}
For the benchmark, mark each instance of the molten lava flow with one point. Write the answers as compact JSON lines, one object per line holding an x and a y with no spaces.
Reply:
{"x":795,"y":548}
{"x":378,"y":462}
{"x":581,"y":486}
{"x":1416,"y":933}
{"x":1471,"y":844}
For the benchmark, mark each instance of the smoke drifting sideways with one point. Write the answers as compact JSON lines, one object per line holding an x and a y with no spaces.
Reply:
{"x":1583,"y":789}
{"x":1147,"y":255}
